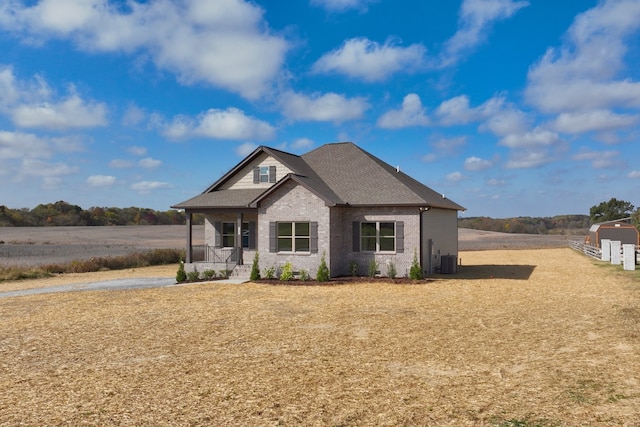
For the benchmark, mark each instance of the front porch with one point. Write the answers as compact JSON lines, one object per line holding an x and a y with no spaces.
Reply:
{"x":206,"y":257}
{"x":229,"y":237}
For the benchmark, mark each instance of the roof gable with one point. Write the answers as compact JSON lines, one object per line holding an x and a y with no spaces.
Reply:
{"x":359,"y":178}
{"x":339,"y":173}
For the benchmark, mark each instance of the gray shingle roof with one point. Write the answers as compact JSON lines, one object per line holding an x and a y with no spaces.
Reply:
{"x":221,"y":199}
{"x":339,"y":173}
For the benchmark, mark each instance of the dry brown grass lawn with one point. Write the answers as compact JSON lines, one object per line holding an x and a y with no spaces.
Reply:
{"x":530,"y":337}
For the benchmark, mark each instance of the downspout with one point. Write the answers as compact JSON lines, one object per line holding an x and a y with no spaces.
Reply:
{"x":421,"y":240}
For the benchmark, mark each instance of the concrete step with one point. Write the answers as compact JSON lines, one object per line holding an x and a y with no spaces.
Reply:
{"x":241,"y":271}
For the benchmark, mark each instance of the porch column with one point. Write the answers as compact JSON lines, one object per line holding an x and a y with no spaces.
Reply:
{"x":239,"y":237}
{"x":189,"y":251}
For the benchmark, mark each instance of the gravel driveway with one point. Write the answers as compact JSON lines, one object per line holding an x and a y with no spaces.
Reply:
{"x":118,"y":284}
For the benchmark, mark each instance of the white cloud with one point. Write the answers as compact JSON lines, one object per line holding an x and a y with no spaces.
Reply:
{"x":449,"y":146}
{"x":24,"y":155}
{"x":429,"y":158}
{"x":342,"y":5}
{"x":37,"y":167}
{"x":412,"y":113}
{"x":18,"y":145}
{"x":634,"y":175}
{"x":596,"y":120}
{"x":133,"y":115}
{"x":73,"y":112}
{"x":229,"y":124}
{"x":144,"y":187}
{"x":529,"y":158}
{"x":474,"y":20}
{"x":246,"y":148}
{"x":150,"y":163}
{"x":455,"y":177}
{"x":329,"y":107}
{"x":33,"y":104}
{"x":137,"y":150}
{"x":101,"y":180}
{"x":368,"y":60}
{"x":496,"y":115}
{"x":223,"y":43}
{"x":535,"y":138}
{"x":494,"y":182}
{"x":301,"y":143}
{"x":586,"y":72}
{"x":474,"y":163}
{"x":598,"y":159}
{"x":120,"y":164}
{"x":456,"y":110}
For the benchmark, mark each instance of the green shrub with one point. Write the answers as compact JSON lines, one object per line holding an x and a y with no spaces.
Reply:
{"x":270,"y":273}
{"x":255,"y":268}
{"x":304,"y":275}
{"x":353,"y":268}
{"x":323,"y":271}
{"x":287,"y":272}
{"x":373,"y":268}
{"x":225,"y":273}
{"x":391,"y":270}
{"x":208,"y":274}
{"x":181,"y":276}
{"x":193,"y":276}
{"x":415,"y":272}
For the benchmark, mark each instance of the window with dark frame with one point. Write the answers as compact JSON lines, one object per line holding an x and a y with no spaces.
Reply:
{"x":293,"y":237}
{"x":229,"y":234}
{"x":264,"y":173}
{"x":377,"y":236}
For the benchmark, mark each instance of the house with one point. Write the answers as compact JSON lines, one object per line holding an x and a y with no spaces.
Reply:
{"x":621,"y":230}
{"x":337,"y":201}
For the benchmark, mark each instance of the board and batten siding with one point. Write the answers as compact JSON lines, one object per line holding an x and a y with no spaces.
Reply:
{"x":243,"y":179}
{"x":441,"y":227}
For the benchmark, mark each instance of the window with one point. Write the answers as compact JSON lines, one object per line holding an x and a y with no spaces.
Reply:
{"x":229,"y":234}
{"x":293,"y":237}
{"x":377,"y":236}
{"x":245,"y":234}
{"x":264,"y":173}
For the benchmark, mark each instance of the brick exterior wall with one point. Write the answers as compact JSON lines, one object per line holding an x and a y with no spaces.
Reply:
{"x":292,"y":202}
{"x":402,"y":261}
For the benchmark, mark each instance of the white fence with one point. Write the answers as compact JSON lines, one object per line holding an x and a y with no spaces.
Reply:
{"x":588,"y":250}
{"x":628,"y":255}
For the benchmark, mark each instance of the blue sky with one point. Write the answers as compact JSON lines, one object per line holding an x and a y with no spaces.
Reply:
{"x":508,"y":107}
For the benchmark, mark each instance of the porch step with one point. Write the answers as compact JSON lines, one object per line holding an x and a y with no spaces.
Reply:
{"x":241,"y":272}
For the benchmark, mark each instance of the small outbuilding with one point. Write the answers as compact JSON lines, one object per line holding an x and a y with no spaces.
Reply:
{"x":620,"y":230}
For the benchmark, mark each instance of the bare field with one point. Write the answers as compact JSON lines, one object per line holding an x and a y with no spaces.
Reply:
{"x":528,"y":338}
{"x":32,"y":246}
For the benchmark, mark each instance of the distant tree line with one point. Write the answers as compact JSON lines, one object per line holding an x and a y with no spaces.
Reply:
{"x":560,"y":224}
{"x":611,"y":210}
{"x":64,"y":214}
